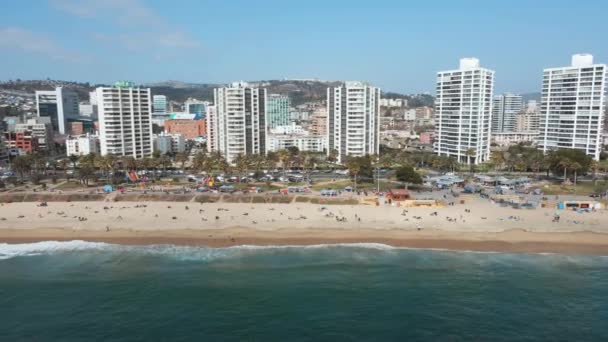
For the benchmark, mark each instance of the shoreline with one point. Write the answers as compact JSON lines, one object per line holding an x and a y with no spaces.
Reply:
{"x":512,"y":241}
{"x":477,"y":225}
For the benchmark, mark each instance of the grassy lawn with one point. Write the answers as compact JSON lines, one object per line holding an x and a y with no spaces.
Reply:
{"x":70,"y":185}
{"x":264,"y":186}
{"x":584,"y":188}
{"x":341,"y":184}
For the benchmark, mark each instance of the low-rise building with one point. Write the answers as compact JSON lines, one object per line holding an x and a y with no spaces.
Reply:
{"x":427,"y":138}
{"x":41,"y":130}
{"x":189,"y":129}
{"x":169,"y":143}
{"x":394,"y":103}
{"x":288,"y":129}
{"x":82,"y":145}
{"x":303,"y":142}
{"x":513,"y":138}
{"x":24,"y":142}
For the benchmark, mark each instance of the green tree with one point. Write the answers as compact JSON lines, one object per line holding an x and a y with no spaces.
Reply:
{"x":470,"y":153}
{"x":22,"y":165}
{"x":284,"y":157}
{"x":572,"y":156}
{"x":271,"y":160}
{"x":86,"y":172}
{"x":575,"y":166}
{"x":73,"y":159}
{"x":181,"y":158}
{"x":407,"y":174}
{"x":332,"y":156}
{"x":497,"y":159}
{"x":359,"y":167}
{"x":565,"y":163}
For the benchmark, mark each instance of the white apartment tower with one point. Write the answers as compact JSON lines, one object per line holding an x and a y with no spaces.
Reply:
{"x":572,"y":107}
{"x":125,"y":120}
{"x":212,"y":129}
{"x":240,"y":119}
{"x":353,"y":119}
{"x":464,"y":112}
{"x":505,"y":108}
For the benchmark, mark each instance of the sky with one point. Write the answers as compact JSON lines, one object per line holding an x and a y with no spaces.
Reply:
{"x":393,"y":44}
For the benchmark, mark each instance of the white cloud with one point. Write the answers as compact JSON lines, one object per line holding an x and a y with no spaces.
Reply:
{"x":35,"y":43}
{"x":125,"y":12}
{"x":142,"y":28}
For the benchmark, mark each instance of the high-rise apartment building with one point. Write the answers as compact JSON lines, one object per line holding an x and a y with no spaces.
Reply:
{"x":527,"y":122}
{"x":505,"y":108}
{"x":463,"y":112}
{"x":278,"y":110}
{"x":353,"y":119}
{"x":160,"y":107}
{"x":125,"y":120}
{"x":318,"y":124}
{"x":573,"y":105}
{"x":60,"y":105}
{"x":241,"y":120}
{"x":212,"y":129}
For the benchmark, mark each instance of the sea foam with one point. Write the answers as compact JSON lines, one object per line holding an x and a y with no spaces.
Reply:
{"x":203,"y":253}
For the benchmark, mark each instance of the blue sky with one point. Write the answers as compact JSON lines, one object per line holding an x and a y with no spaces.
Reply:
{"x":396,"y":45}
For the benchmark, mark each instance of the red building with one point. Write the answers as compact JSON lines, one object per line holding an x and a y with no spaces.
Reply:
{"x":76,"y":128}
{"x":23,"y":141}
{"x":190,"y":129}
{"x":427,"y":138}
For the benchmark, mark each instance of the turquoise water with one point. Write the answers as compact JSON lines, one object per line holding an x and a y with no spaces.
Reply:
{"x":79,"y":291}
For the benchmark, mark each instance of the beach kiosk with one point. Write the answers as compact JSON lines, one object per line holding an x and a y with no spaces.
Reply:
{"x":398,"y":195}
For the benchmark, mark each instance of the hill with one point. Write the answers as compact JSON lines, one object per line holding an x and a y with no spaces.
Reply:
{"x":299,"y":91}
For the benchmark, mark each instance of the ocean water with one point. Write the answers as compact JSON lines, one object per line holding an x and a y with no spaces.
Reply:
{"x":82,"y":291}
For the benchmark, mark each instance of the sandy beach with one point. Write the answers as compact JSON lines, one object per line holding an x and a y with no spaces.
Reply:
{"x":478,"y":225}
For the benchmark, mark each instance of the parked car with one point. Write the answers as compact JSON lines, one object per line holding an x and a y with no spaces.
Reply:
{"x":329,"y":192}
{"x":226,"y":188}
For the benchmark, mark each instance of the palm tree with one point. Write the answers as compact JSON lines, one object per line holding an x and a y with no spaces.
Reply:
{"x":470,"y":153}
{"x":310,"y":162}
{"x":22,"y":165}
{"x":594,"y":166}
{"x":575,"y":166}
{"x":241,"y":164}
{"x":73,"y":159}
{"x":498,"y":160}
{"x":102,"y":165}
{"x":549,"y":160}
{"x":271,"y":160}
{"x":257,"y":161}
{"x":181,"y":158}
{"x":284,"y":158}
{"x":565,"y":163}
{"x":164,"y":161}
{"x":354,"y":167}
{"x":199,"y":162}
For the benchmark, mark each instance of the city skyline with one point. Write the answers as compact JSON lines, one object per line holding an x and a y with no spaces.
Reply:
{"x":150,"y":41}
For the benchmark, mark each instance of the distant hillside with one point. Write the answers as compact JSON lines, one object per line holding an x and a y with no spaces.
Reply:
{"x":299,"y":91}
{"x":30,"y":86}
{"x":415,"y":100}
